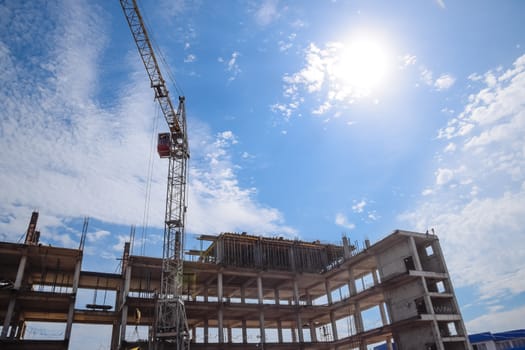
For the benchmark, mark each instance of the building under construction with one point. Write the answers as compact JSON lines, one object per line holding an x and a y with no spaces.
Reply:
{"x":245,"y":292}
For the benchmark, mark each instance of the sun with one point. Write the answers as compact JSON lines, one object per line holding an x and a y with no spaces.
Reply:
{"x":362,"y":66}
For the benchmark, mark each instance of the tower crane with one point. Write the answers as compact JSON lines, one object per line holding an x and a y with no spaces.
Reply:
{"x":170,"y":329}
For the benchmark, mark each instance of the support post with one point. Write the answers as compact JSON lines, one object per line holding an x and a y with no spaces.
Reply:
{"x":351,"y":282}
{"x":259,"y":289}
{"x":328,"y":292}
{"x":71,"y":311}
{"x":244,"y":332}
{"x":12,"y":301}
{"x":262,"y":333}
{"x":280,"y":331}
{"x":221,"y":324}
{"x":334,"y":326}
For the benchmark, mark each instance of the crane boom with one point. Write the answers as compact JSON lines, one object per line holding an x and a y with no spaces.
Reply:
{"x":170,"y":329}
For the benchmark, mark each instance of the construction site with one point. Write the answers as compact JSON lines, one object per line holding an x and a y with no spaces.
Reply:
{"x":239,"y":291}
{"x":290,"y":294}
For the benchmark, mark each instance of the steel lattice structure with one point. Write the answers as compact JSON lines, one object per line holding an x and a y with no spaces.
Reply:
{"x":171,"y":328}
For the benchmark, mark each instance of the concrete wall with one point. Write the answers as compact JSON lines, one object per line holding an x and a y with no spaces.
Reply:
{"x":390,"y":262}
{"x":412,"y":338}
{"x":430,"y":258}
{"x":402,"y":300}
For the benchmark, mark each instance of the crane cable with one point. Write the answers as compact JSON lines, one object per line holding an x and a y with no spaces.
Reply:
{"x":147,"y":199}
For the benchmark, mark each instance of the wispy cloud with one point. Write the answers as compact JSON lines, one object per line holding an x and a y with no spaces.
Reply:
{"x":190,"y":58}
{"x":286,"y":44}
{"x":359,"y":207}
{"x":443,"y":82}
{"x":342,"y":220}
{"x":477,"y":202}
{"x":499,"y":321}
{"x":217,"y":200}
{"x":407,"y":60}
{"x":69,"y":155}
{"x":231,"y":65}
{"x":338,"y":74}
{"x":267,"y":12}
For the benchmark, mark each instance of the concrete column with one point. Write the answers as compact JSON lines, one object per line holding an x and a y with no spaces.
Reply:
{"x":259,"y":289}
{"x":334,"y":326}
{"x":351,"y":282}
{"x":124,"y":305}
{"x":262,"y":333}
{"x":205,"y":292}
{"x":8,"y":316}
{"x":244,"y":333}
{"x":243,"y":294}
{"x":20,"y":272}
{"x":220,"y":324}
{"x":276,"y":296}
{"x":71,"y":311}
{"x":374,"y":276}
{"x":313,"y":333}
{"x":358,"y":319}
{"x":300,"y":328}
{"x":12,"y":301}
{"x":415,"y":254}
{"x":295,"y":291}
{"x":382,"y":311}
{"x":328,"y":292}
{"x":219,"y":287}
{"x":115,"y":328}
{"x":206,"y":332}
{"x":280,"y":331}
{"x":450,"y":289}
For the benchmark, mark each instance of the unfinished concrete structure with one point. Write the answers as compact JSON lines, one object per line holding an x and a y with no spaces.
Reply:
{"x":247,"y":292}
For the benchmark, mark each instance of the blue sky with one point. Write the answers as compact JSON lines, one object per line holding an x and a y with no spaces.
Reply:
{"x":306,"y":119}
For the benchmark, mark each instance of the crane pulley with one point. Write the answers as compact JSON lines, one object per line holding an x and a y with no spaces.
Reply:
{"x":170,"y":329}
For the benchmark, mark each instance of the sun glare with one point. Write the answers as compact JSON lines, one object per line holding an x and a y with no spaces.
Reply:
{"x":362,"y":66}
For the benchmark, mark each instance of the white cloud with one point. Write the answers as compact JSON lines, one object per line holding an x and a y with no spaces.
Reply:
{"x":190,"y":58}
{"x":335,"y":75}
{"x":217,"y":201}
{"x":498,"y":321}
{"x":68,"y":155}
{"x":445,"y":81}
{"x":267,"y":12}
{"x":97,"y":235}
{"x":231,"y":64}
{"x":359,"y":207}
{"x":451,"y":147}
{"x":444,"y":176}
{"x":426,"y":76}
{"x":408,"y":60}
{"x":480,"y":216}
{"x":285,"y":45}
{"x":342,"y":220}
{"x":427,"y":192}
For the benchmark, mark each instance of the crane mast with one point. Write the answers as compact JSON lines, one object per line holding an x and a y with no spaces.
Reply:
{"x":170,"y":329}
